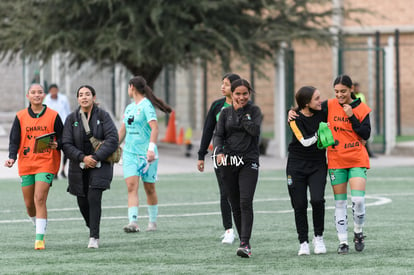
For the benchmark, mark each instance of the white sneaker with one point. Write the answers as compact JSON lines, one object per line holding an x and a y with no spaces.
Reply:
{"x":304,"y":249}
{"x":93,"y":243}
{"x":152,"y":226}
{"x":319,"y":245}
{"x":228,"y":237}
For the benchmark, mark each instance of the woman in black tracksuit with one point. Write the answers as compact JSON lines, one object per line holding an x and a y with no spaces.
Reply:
{"x":89,"y":172}
{"x":208,"y":130}
{"x":236,"y":154}
{"x":306,"y":167}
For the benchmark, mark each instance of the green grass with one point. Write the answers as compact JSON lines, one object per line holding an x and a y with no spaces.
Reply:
{"x":380,"y":138}
{"x":188,"y":239}
{"x":405,"y":138}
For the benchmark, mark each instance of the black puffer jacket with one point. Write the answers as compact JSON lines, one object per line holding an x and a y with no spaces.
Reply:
{"x":76,"y":146}
{"x":237,"y":132}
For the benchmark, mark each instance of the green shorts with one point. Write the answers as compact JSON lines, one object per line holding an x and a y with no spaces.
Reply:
{"x":339,"y":176}
{"x":31,"y":179}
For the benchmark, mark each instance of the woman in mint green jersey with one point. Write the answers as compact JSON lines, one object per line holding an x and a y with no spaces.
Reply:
{"x":140,"y":155}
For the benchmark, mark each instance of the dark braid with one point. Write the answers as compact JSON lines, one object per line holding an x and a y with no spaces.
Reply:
{"x":141,"y":86}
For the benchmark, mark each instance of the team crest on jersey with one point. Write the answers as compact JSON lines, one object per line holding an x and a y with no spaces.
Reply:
{"x":130,"y":119}
{"x":289,"y":180}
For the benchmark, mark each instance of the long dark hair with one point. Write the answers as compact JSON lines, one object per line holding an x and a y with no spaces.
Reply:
{"x":141,"y":86}
{"x":346,"y":81}
{"x":241,"y":82}
{"x":303,"y":96}
{"x":88,"y":87}
{"x":231,"y":77}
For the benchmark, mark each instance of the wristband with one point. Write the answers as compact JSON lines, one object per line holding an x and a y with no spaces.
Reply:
{"x":151,"y":146}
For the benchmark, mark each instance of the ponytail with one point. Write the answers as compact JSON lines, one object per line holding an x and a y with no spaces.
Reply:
{"x":141,"y":86}
{"x":157,"y":102}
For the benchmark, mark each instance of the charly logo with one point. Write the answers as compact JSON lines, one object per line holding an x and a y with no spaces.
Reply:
{"x":340,"y":129}
{"x":49,"y":177}
{"x":341,"y":222}
{"x":26,"y":150}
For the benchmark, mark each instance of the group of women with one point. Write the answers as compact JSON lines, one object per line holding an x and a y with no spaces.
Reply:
{"x":233,"y":122}
{"x":347,"y":162}
{"x":90,"y":171}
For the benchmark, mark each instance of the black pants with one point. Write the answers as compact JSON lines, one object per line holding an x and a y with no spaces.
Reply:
{"x":301,"y":174}
{"x":224,"y":203}
{"x":90,"y":207}
{"x":240,"y":184}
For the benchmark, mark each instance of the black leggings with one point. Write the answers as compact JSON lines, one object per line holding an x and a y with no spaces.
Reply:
{"x":240,"y":184}
{"x":90,"y":207}
{"x":301,"y":174}
{"x":224,"y":203}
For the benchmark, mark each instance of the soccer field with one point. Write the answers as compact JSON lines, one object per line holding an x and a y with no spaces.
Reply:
{"x":189,"y":230}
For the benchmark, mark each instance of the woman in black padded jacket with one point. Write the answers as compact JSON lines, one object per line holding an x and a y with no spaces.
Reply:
{"x":236,"y":154}
{"x":89,"y":172}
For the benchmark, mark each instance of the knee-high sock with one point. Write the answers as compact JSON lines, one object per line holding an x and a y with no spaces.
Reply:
{"x":41,"y":225}
{"x":341,"y":220}
{"x":133,"y":214}
{"x":153,"y":212}
{"x":358,"y":211}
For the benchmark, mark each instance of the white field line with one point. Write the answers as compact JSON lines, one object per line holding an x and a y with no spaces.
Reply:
{"x":390,"y":179}
{"x":264,"y":178}
{"x":378,"y":201}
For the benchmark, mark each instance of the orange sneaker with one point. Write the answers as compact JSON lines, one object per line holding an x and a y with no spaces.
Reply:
{"x":39,"y":245}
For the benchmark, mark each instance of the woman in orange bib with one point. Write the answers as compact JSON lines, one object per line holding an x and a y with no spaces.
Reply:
{"x":36,"y":167}
{"x":348,"y":159}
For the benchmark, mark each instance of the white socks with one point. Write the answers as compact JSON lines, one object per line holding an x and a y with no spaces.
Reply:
{"x":341,"y":220}
{"x":358,"y":210}
{"x":341,"y":217}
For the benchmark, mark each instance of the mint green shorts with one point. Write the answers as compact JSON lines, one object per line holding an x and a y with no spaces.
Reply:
{"x":339,"y":176}
{"x":31,"y":179}
{"x":136,"y":165}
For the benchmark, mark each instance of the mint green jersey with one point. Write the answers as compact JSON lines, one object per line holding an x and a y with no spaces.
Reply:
{"x":138,"y":131}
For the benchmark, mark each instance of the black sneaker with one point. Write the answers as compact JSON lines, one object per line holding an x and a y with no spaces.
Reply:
{"x":244,"y":250}
{"x":343,"y":248}
{"x":359,"y":241}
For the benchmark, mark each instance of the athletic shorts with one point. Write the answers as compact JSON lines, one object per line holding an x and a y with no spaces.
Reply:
{"x":136,"y":165}
{"x":339,"y":176}
{"x":31,"y":179}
